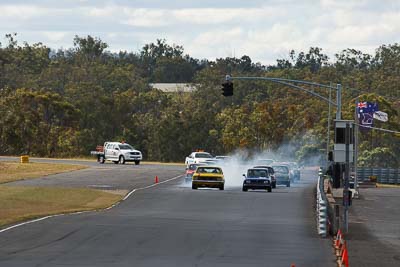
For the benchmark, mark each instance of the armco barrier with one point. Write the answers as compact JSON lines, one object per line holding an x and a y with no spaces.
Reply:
{"x":394,"y":176}
{"x":322,"y":206}
{"x":383,"y":175}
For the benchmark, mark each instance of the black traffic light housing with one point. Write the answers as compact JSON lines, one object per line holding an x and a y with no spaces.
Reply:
{"x":227,"y":88}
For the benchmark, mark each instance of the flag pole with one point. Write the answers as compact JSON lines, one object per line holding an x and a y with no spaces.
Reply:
{"x":356,"y":129}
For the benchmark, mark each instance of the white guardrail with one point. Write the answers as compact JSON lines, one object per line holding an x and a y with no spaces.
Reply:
{"x":322,"y":206}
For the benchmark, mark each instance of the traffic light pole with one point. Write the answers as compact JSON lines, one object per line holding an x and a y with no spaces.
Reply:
{"x":346,"y":196}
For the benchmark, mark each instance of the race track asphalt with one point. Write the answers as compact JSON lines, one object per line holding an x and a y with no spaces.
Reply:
{"x":172,"y":225}
{"x":374,"y":228}
{"x":103,"y":176}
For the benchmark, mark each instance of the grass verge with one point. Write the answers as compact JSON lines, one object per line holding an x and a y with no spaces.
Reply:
{"x":25,"y":203}
{"x":13,"y":171}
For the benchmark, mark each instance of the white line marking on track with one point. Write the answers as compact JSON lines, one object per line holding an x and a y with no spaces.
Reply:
{"x":79,"y":212}
{"x":24,"y":223}
{"x":100,"y":185}
{"x":171,"y":179}
{"x":129,"y":194}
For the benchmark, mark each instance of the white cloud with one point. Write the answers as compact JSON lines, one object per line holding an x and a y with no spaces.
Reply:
{"x":23,"y":12}
{"x":219,"y":37}
{"x":150,"y":17}
{"x":226,"y":15}
{"x":203,"y":16}
{"x":54,"y":36}
{"x":346,"y":4}
{"x":146,"y":17}
{"x":102,"y":12}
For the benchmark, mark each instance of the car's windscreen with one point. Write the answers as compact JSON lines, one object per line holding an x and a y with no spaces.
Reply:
{"x":269,"y":169}
{"x":208,"y":170}
{"x":281,"y":169}
{"x":125,"y":146}
{"x":203,"y":155}
{"x":256,"y":173}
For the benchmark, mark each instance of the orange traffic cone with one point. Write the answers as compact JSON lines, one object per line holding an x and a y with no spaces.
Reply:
{"x":338,"y":240}
{"x":156,"y":179}
{"x":341,"y":244}
{"x":345,"y":257}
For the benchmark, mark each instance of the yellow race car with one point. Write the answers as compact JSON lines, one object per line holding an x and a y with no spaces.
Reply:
{"x":208,"y":176}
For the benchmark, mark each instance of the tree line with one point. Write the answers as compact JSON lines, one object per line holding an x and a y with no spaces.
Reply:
{"x":62,"y":103}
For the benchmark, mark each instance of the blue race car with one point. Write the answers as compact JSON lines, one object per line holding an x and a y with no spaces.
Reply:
{"x":257,"y":179}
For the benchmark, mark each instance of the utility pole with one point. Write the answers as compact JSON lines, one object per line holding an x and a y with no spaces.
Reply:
{"x":339,"y":101}
{"x":346,"y":180}
{"x":329,"y":128}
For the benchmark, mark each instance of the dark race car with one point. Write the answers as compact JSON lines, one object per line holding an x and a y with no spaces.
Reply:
{"x":257,"y":178}
{"x":282,"y":174}
{"x":271,"y":173}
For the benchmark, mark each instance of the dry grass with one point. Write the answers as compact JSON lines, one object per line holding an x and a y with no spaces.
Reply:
{"x":24,"y":203}
{"x":13,"y":171}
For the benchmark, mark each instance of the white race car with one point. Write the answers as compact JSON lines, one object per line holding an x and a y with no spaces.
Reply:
{"x":198,"y":157}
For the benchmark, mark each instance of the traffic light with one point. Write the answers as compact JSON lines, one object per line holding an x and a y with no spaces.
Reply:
{"x":227,"y":89}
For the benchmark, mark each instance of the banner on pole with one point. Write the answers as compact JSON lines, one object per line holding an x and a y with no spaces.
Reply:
{"x":381,"y":116}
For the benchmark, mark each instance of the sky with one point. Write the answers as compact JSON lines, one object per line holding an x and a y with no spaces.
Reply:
{"x":263,"y":30}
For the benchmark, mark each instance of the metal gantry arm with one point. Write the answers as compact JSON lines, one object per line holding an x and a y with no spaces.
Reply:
{"x":292,"y":84}
{"x":306,"y":90}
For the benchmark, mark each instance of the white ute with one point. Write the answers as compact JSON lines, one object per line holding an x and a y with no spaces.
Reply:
{"x":118,"y":153}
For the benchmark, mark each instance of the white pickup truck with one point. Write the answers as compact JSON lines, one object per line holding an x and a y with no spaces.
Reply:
{"x":117,"y":152}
